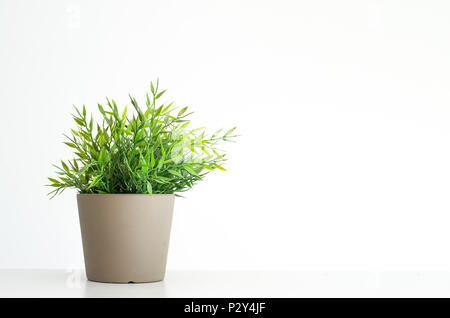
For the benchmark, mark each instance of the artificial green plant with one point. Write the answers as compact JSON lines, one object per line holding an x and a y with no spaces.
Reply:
{"x":152,"y":151}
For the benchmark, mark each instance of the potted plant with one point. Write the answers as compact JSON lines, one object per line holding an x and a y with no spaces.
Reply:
{"x":128,"y":170}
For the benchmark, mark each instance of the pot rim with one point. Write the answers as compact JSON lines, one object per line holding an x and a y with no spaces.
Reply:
{"x":126,"y":194}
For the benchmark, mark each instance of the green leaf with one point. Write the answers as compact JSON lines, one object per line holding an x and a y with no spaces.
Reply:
{"x":54,"y":180}
{"x":152,"y":160}
{"x":149,"y":187}
{"x":71,"y":145}
{"x":220,"y":167}
{"x":185,"y":125}
{"x":102,"y":156}
{"x":190,"y":170}
{"x":115,"y":110}
{"x":64,"y":166}
{"x":230,"y":131}
{"x":95,"y":181}
{"x":175,"y":173}
{"x":100,"y":108}
{"x":124,"y":113}
{"x":160,"y":94}
{"x":182,"y":111}
{"x":79,"y":121}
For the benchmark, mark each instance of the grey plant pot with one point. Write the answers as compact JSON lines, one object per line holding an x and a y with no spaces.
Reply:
{"x":125,"y":236}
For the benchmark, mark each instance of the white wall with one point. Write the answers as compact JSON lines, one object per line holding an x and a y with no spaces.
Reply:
{"x":344,"y":108}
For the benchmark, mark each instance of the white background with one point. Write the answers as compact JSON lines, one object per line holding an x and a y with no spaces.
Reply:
{"x":343,"y":107}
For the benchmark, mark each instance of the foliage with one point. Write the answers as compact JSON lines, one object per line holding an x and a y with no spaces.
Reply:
{"x":151,"y":152}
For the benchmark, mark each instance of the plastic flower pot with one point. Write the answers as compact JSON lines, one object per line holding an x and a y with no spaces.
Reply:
{"x":125,"y":236}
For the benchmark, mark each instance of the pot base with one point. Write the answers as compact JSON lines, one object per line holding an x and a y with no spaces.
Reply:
{"x":130,"y":282}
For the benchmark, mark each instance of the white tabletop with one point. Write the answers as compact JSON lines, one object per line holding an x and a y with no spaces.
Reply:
{"x":72,"y":283}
